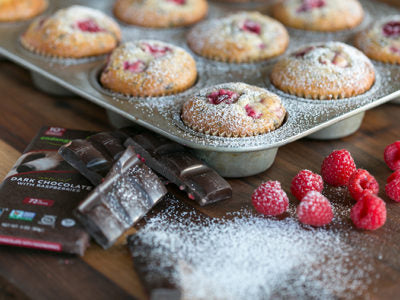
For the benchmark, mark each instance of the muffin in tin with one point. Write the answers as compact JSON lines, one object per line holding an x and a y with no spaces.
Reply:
{"x":73,"y":32}
{"x":18,"y":10}
{"x":381,"y":41}
{"x":324,"y":71}
{"x":233,"y":110}
{"x":149,"y":68}
{"x":319,"y":15}
{"x":239,"y":38}
{"x":160,"y":13}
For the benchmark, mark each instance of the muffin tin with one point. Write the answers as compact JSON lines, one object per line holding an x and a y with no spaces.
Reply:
{"x":231,"y":157}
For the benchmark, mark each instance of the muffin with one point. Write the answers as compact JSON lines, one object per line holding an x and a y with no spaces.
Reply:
{"x":381,"y":41}
{"x":239,"y":38}
{"x":319,"y":15}
{"x":233,"y":110}
{"x":324,"y":71}
{"x":149,"y":68}
{"x":73,"y":32}
{"x":160,"y":13}
{"x":18,"y":10}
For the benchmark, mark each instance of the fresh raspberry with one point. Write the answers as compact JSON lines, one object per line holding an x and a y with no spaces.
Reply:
{"x":89,"y":26}
{"x":222,"y":95}
{"x":393,"y":176}
{"x":315,"y":209}
{"x":135,"y":67}
{"x":391,"y":29}
{"x":337,"y":168}
{"x":392,"y":156}
{"x":362,"y":181}
{"x":251,"y":112}
{"x":251,"y":26}
{"x":369,"y":212}
{"x":304,"y":182}
{"x":392,"y":187}
{"x":310,"y":4}
{"x":269,"y":199}
{"x":156,"y":51}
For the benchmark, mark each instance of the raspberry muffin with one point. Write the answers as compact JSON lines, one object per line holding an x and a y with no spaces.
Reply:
{"x":233,"y":110}
{"x":381,"y":41}
{"x":319,"y":15}
{"x":149,"y":68}
{"x":160,"y":13}
{"x":73,"y":32}
{"x":324,"y":71}
{"x":18,"y":10}
{"x":240,"y":38}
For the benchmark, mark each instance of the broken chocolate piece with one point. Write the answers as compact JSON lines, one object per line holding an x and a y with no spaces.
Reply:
{"x":108,"y":145}
{"x":127,"y":193}
{"x":175,"y":163}
{"x":84,"y":157}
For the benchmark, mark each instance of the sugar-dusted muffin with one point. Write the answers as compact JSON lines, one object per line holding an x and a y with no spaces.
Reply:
{"x":233,"y":110}
{"x":241,"y":37}
{"x":149,"y":68}
{"x":381,"y":41}
{"x":160,"y":13}
{"x":330,"y":70}
{"x":17,"y":10}
{"x":319,"y":15}
{"x":73,"y":32}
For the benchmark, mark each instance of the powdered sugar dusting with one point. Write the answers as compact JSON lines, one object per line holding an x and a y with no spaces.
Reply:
{"x":252,"y":257}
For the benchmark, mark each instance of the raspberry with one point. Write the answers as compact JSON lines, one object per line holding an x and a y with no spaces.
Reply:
{"x":362,"y":181}
{"x":304,"y":182}
{"x":310,"y":4}
{"x":392,"y":187}
{"x":303,"y":52}
{"x":269,"y":199}
{"x":222,"y":95}
{"x":391,"y":29}
{"x":315,"y":209}
{"x":178,"y":2}
{"x":337,"y":168}
{"x":392,"y":156}
{"x":395,"y":175}
{"x":251,"y":26}
{"x":89,"y":26}
{"x":251,"y":112}
{"x":156,"y":51}
{"x":136,"y":67}
{"x":369,"y":212}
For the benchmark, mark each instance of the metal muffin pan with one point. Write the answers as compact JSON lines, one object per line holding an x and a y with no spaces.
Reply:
{"x":232,"y":157}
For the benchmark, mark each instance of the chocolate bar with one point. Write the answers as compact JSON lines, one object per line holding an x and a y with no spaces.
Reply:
{"x":109,"y":145}
{"x":39,"y":193}
{"x":83,"y":156}
{"x":175,"y":163}
{"x":126,"y":194}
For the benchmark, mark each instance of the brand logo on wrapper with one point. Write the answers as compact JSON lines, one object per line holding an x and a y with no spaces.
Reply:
{"x":55,"y":131}
{"x":48,"y":220}
{"x":21,"y":215}
{"x":36,"y":201}
{"x":68,"y":222}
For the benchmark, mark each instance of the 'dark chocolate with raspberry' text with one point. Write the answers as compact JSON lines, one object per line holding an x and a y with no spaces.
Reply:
{"x":39,"y":193}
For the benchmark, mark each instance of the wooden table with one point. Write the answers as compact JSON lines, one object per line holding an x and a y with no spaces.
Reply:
{"x":103,"y":274}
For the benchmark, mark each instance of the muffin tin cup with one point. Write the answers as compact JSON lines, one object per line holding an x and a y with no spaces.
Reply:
{"x":232,"y":157}
{"x":48,"y":86}
{"x":238,"y":164}
{"x":340,"y":129}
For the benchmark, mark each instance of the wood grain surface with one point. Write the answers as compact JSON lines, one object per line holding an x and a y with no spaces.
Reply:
{"x":109,"y":274}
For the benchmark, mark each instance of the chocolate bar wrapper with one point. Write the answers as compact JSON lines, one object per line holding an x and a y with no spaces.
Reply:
{"x":175,"y":163}
{"x":127,"y":193}
{"x":38,"y":195}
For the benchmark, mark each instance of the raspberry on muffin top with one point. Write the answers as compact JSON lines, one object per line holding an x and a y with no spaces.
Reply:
{"x":73,"y":32}
{"x":149,"y":68}
{"x":240,"y":37}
